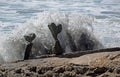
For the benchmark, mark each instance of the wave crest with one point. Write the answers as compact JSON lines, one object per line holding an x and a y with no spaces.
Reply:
{"x":73,"y":24}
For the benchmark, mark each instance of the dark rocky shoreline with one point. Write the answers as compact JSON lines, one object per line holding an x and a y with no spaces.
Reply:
{"x":69,"y":70}
{"x":107,"y":65}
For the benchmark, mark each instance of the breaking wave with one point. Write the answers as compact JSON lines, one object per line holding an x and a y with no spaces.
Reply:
{"x":74,"y":26}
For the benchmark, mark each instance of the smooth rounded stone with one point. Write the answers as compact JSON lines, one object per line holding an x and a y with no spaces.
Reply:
{"x":30,"y":74}
{"x":77,"y":71}
{"x":13,"y":74}
{"x":100,"y":70}
{"x":42,"y":70}
{"x":49,"y":73}
{"x":91,"y":73}
{"x":68,"y":68}
{"x":81,"y":69}
{"x":30,"y":37}
{"x":32,"y":68}
{"x":60,"y":69}
{"x":19,"y":71}
{"x":69,"y":74}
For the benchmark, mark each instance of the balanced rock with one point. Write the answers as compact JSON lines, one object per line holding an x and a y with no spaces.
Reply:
{"x":30,"y":37}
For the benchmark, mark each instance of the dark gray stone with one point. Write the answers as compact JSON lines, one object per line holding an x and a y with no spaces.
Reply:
{"x":27,"y":51}
{"x":59,"y":69}
{"x":85,"y":43}
{"x":30,"y":37}
{"x":55,"y":30}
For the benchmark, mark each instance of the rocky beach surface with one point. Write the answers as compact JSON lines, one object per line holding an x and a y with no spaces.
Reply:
{"x":102,"y":63}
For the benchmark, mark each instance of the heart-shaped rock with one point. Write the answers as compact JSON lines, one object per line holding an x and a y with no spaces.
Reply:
{"x":55,"y":30}
{"x":30,"y":37}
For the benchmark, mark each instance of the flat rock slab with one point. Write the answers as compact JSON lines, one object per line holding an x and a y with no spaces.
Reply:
{"x":101,"y":64}
{"x":90,"y":58}
{"x":87,"y":59}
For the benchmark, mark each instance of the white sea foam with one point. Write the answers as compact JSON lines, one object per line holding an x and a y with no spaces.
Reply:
{"x":110,"y":1}
{"x":13,"y":46}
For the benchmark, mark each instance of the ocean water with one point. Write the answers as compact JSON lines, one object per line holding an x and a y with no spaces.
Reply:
{"x":101,"y":18}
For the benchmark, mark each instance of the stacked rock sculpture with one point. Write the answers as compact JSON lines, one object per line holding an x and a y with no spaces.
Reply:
{"x":55,"y":30}
{"x":29,"y":38}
